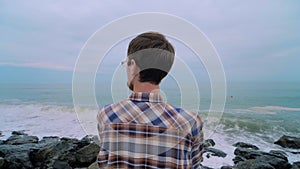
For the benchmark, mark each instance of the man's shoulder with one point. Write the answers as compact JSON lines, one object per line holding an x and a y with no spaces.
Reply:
{"x":185,"y":117}
{"x":112,"y":112}
{"x":111,"y":106}
{"x":186,"y":112}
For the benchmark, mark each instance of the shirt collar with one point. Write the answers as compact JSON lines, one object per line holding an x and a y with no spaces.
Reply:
{"x":146,"y":97}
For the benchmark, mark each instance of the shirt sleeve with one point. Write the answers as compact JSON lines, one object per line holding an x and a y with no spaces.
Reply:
{"x":197,"y":147}
{"x":102,"y":157}
{"x":100,"y":123}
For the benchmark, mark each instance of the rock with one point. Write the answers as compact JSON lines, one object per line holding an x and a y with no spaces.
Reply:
{"x":238,"y":159}
{"x":49,"y":139}
{"x":288,"y":142}
{"x":205,"y":167}
{"x":247,"y":153}
{"x":20,"y":132}
{"x":70,"y":140}
{"x":46,"y":156}
{"x":255,"y":159}
{"x":295,"y":152}
{"x":62,"y":165}
{"x":277,"y":163}
{"x":87,"y":154}
{"x":2,"y":161}
{"x":227,"y":167}
{"x":209,"y":143}
{"x":16,"y":156}
{"x":245,"y":145}
{"x":24,"y":151}
{"x":280,"y":154}
{"x":253,"y":164}
{"x":215,"y":152}
{"x":21,"y":139}
{"x":40,"y":157}
{"x":296,"y":165}
{"x":252,"y":154}
{"x":93,"y":166}
{"x":64,"y":153}
{"x":88,"y":139}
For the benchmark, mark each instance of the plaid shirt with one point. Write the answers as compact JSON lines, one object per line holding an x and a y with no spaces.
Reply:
{"x":146,"y":132}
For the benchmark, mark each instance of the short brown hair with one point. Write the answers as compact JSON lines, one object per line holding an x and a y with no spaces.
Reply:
{"x":162,"y":55}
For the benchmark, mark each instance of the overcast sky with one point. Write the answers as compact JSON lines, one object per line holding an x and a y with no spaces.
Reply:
{"x":256,"y":40}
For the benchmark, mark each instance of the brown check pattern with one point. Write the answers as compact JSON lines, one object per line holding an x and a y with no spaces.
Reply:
{"x":146,"y":132}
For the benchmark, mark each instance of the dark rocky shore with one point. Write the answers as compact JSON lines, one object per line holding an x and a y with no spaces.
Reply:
{"x":22,"y":151}
{"x":248,"y":156}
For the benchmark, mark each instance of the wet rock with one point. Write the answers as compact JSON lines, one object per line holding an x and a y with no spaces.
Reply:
{"x":209,"y":143}
{"x":288,"y":142}
{"x":296,"y":165}
{"x":253,"y":164}
{"x":16,"y":156}
{"x":277,"y":163}
{"x":20,"y":132}
{"x":49,"y":139}
{"x":215,"y":152}
{"x":88,"y":139}
{"x":205,"y":167}
{"x":259,"y":159}
{"x":24,"y":151}
{"x":93,"y":166}
{"x":248,"y":153}
{"x":87,"y":154}
{"x":61,"y":164}
{"x":21,"y":139}
{"x":70,"y":140}
{"x":46,"y":156}
{"x":227,"y":167}
{"x":280,"y":154}
{"x":2,"y":163}
{"x":15,"y":150}
{"x":295,"y":152}
{"x":245,"y":145}
{"x":238,"y":159}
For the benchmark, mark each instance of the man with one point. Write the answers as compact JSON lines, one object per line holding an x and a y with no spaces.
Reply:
{"x":144,"y":131}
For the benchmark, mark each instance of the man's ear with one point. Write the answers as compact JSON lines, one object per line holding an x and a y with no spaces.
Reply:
{"x":134,"y":67}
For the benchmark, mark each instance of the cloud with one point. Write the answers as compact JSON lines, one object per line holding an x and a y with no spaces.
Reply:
{"x":38,"y":65}
{"x":246,"y":34}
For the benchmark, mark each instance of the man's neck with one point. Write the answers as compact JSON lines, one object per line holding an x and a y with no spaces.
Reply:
{"x":146,"y":87}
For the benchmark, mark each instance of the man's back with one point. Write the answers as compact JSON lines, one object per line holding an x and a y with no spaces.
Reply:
{"x":146,"y":132}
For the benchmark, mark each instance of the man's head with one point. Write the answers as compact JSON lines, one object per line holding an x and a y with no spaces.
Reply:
{"x":150,"y":58}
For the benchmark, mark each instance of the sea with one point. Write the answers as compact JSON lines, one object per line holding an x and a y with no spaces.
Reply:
{"x":257,"y":113}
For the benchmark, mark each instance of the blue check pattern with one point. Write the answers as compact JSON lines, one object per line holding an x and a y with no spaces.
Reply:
{"x":146,"y":132}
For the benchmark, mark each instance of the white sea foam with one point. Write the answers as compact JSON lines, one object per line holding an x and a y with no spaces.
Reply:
{"x":275,"y":108}
{"x":51,"y":120}
{"x":272,"y":110}
{"x":43,"y":120}
{"x":221,"y":144}
{"x":225,"y":138}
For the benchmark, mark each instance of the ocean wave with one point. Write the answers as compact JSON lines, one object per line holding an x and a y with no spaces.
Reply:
{"x":40,"y":107}
{"x":45,"y":120}
{"x":271,"y":110}
{"x":275,"y":108}
{"x":252,"y":110}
